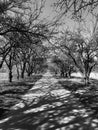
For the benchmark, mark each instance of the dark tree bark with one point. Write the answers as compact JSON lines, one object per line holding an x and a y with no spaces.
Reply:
{"x":18,"y":74}
{"x":10,"y":68}
{"x":10,"y":75}
{"x":23,"y":70}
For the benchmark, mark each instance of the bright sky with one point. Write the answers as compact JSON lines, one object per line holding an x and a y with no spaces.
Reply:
{"x":49,"y":13}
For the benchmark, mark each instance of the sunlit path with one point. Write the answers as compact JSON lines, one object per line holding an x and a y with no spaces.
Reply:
{"x":44,"y":86}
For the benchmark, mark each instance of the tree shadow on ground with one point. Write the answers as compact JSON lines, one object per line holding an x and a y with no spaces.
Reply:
{"x":51,"y":112}
{"x":86,"y":94}
{"x":10,"y":93}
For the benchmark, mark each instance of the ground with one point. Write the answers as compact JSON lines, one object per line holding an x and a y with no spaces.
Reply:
{"x":53,"y":103}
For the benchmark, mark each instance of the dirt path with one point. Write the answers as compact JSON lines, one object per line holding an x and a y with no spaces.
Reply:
{"x":49,"y":106}
{"x":40,"y":89}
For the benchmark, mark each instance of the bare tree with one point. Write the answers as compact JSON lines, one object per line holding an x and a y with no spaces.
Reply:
{"x":76,"y":7}
{"x":27,"y":27}
{"x":83,"y":51}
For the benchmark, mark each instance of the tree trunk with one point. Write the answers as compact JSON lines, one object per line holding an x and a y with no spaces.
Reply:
{"x":62,"y":73}
{"x":10,"y":75}
{"x":29,"y":70}
{"x":86,"y":71}
{"x":87,"y":74}
{"x":29,"y":74}
{"x":17,"y":71}
{"x":23,"y":70}
{"x":69,"y":72}
{"x":10,"y":70}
